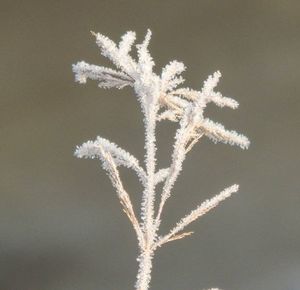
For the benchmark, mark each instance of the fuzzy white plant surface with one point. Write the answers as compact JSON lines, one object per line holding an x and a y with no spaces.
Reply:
{"x":161,"y":99}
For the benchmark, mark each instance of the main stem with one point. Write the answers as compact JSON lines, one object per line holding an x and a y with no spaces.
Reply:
{"x":144,"y":271}
{"x":150,"y":187}
{"x":146,"y":253}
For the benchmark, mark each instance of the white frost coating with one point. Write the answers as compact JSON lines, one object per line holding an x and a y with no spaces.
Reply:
{"x":161,"y":175}
{"x":221,"y":101}
{"x":160,"y":98}
{"x":211,"y":83}
{"x":210,"y":96}
{"x":126,"y":43}
{"x":107,"y":77}
{"x":217,"y":133}
{"x":93,"y":149}
{"x":145,"y":61}
{"x":110,"y":50}
{"x":169,"y":80}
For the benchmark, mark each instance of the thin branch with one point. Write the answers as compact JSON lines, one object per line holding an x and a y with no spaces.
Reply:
{"x":202,"y":209}
{"x":92,"y":149}
{"x":181,"y":138}
{"x":161,"y":175}
{"x":127,"y":41}
{"x":107,"y":77}
{"x":109,"y":165}
{"x":169,"y":79}
{"x":217,"y":133}
{"x":145,"y":62}
{"x":113,"y":173}
{"x":193,"y":141}
{"x":173,"y":238}
{"x":110,"y":50}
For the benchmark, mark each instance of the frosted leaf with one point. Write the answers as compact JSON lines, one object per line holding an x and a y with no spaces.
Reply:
{"x":93,"y":149}
{"x":127,"y":41}
{"x":211,"y":83}
{"x":222,"y":101}
{"x":217,"y":133}
{"x":167,"y":115}
{"x":187,"y":93}
{"x":208,"y":93}
{"x":201,"y":210}
{"x":168,"y":77}
{"x":107,"y":77}
{"x":161,"y":175}
{"x":145,"y":60}
{"x":110,"y":50}
{"x":175,"y":82}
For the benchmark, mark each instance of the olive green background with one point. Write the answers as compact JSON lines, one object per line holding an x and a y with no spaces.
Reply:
{"x":61,"y":227}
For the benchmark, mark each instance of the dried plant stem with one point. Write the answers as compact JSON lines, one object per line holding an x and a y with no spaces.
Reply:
{"x":183,"y":105}
{"x":144,"y":270}
{"x":149,"y":191}
{"x":146,"y":255}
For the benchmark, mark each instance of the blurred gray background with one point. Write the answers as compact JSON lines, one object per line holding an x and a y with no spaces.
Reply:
{"x":61,"y":227}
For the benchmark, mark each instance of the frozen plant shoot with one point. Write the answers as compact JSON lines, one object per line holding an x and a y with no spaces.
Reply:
{"x":160,"y":98}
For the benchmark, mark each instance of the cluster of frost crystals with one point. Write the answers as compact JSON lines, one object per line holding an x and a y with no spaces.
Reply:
{"x":161,"y":98}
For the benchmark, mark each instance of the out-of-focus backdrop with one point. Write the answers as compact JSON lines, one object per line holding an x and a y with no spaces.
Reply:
{"x":61,"y":227}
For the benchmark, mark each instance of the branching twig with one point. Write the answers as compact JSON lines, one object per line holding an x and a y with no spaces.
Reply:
{"x":160,"y":99}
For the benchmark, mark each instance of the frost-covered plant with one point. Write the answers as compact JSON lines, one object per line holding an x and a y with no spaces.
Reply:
{"x":160,"y":99}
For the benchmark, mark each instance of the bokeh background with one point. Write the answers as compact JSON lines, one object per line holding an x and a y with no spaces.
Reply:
{"x":61,"y":227}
